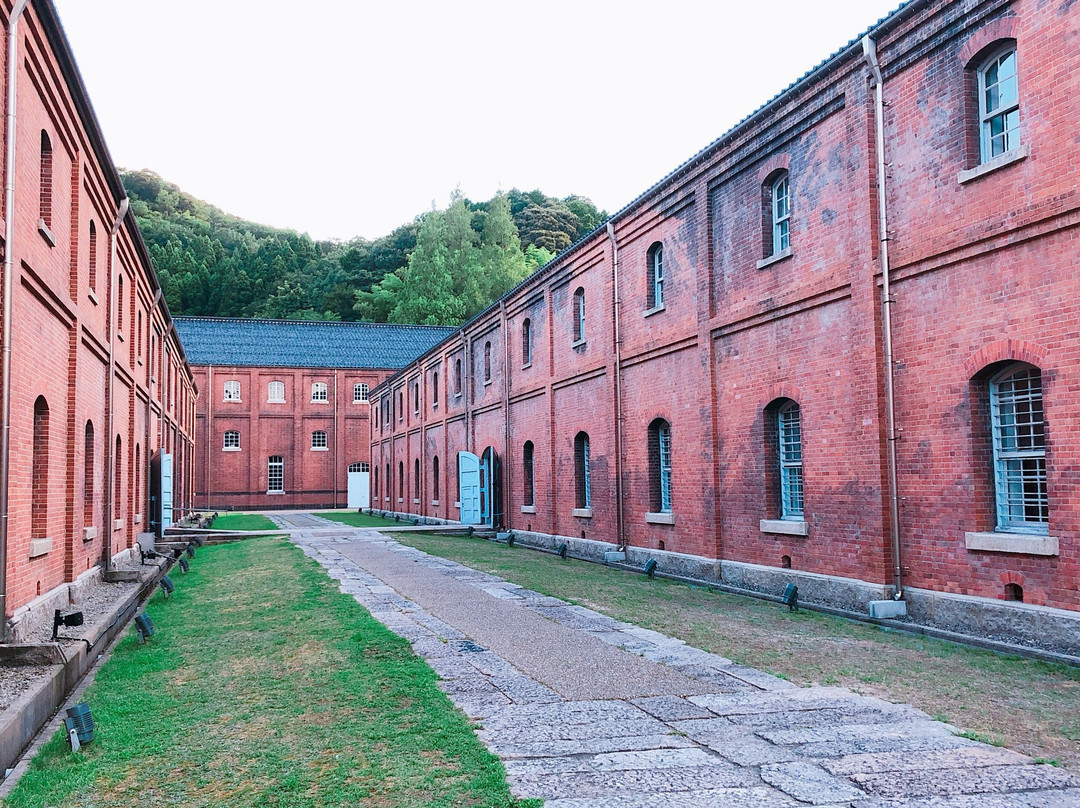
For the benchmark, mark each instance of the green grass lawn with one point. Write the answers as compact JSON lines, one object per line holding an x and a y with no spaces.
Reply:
{"x":242,"y":521}
{"x":1025,"y":704}
{"x":355,"y":519}
{"x":265,"y":686}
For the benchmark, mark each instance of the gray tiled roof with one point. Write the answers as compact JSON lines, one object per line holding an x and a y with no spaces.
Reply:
{"x":301,"y":344}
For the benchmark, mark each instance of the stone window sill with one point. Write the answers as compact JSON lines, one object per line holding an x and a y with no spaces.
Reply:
{"x":580,"y":343}
{"x":527,"y":365}
{"x":416,"y":501}
{"x":91,"y":296}
{"x":39,"y":547}
{"x":774,"y":259}
{"x":655,"y":310}
{"x":787,"y":527}
{"x":231,"y":449}
{"x":275,"y":493}
{"x":660,"y":518}
{"x":46,"y":233}
{"x":528,"y":509}
{"x":435,"y":503}
{"x":118,"y":524}
{"x":320,"y":448}
{"x":1023,"y":543}
{"x":582,"y":513}
{"x":487,"y":382}
{"x":89,"y":533}
{"x":400,"y":499}
{"x":1007,"y":159}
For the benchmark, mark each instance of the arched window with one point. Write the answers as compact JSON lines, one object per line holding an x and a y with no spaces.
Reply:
{"x":401,"y":481}
{"x":376,"y":417}
{"x":360,"y":467}
{"x":789,"y":426}
{"x":318,"y":439}
{"x":435,"y":478}
{"x":45,"y":200}
{"x":526,"y":343}
{"x":376,"y":482}
{"x":232,"y":390}
{"x":275,"y":475}
{"x":776,"y":206}
{"x":457,"y":377}
{"x":318,"y":391}
{"x":435,"y":388}
{"x":487,"y":361}
{"x":1019,"y":436}
{"x":999,"y":104}
{"x":275,"y":392}
{"x":231,"y":442}
{"x":118,"y":467}
{"x":93,"y":255}
{"x":660,"y":466}
{"x":88,"y":475}
{"x":582,"y":486}
{"x":138,"y":474}
{"x":655,"y":278}
{"x":40,"y":493}
{"x":416,"y":397}
{"x":389,"y":484}
{"x":416,"y":478}
{"x":359,"y":393}
{"x":579,"y":315}
{"x":401,"y":405}
{"x":120,"y":302}
{"x":527,"y":480}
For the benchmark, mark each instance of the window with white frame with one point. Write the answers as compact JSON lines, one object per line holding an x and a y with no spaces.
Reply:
{"x":232,"y":440}
{"x":359,"y":393}
{"x":582,"y":483}
{"x":655,"y":296}
{"x":318,"y":439}
{"x":275,"y":474}
{"x":359,"y":467}
{"x":789,"y":425}
{"x":660,"y":465}
{"x":232,"y":390}
{"x":528,"y":481}
{"x":579,"y":315}
{"x":318,"y":391}
{"x":1019,"y":434}
{"x":780,"y":197}
{"x":275,"y":392}
{"x":999,"y":104}
{"x":526,"y":342}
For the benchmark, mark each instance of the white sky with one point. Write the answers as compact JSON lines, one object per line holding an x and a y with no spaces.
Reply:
{"x":348,"y":117}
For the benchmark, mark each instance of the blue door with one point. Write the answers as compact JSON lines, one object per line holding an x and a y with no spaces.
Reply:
{"x":166,"y":491}
{"x":469,"y":487}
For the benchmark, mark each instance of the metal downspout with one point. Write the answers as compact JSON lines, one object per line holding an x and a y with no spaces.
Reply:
{"x":9,"y":268}
{"x":110,"y":387}
{"x":334,"y":451}
{"x":620,"y":527}
{"x":210,"y":432}
{"x":505,"y":470}
{"x":871,"y":57}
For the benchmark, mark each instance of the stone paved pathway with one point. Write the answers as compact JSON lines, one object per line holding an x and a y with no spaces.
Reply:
{"x":589,"y":712}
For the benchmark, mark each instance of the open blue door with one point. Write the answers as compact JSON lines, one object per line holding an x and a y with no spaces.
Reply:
{"x":166,"y":491}
{"x":469,"y":487}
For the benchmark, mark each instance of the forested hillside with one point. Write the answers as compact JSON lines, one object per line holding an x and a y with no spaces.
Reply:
{"x":441,"y":268}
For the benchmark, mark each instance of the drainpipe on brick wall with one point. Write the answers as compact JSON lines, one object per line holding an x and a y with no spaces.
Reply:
{"x":9,"y":269}
{"x":334,"y":451}
{"x":619,"y":520}
{"x":121,"y":212}
{"x":871,"y":57}
{"x":505,"y":482}
{"x":210,"y":430}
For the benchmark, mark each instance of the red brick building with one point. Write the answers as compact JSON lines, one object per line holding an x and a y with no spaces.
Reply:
{"x":708,"y":379}
{"x":95,"y":385}
{"x":282,"y":416}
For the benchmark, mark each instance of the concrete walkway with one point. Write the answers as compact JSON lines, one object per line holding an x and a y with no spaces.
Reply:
{"x":589,"y":712}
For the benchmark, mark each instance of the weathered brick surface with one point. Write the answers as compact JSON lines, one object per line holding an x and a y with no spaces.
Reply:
{"x":982,"y":274}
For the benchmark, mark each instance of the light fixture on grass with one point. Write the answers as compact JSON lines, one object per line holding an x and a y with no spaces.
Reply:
{"x":650,"y":568}
{"x":791,"y":597}
{"x":144,"y":626}
{"x":563,"y":550}
{"x":61,"y":619}
{"x":510,"y":539}
{"x":79,"y":725}
{"x":167,"y":586}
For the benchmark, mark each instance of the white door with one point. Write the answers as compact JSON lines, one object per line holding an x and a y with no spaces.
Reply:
{"x":359,"y":489}
{"x":166,"y":491}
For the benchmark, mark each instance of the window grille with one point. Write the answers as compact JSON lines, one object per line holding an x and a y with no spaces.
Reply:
{"x":1019,"y":434}
{"x":232,"y":440}
{"x":275,"y":392}
{"x":275,"y":474}
{"x":318,"y":439}
{"x":232,"y":391}
{"x":999,"y":105}
{"x":791,"y":472}
{"x":360,"y":393}
{"x":318,"y":391}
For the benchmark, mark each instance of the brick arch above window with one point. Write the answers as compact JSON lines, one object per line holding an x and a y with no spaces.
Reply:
{"x":1006,"y":350}
{"x":772,"y":166}
{"x":987,"y":37}
{"x":781,"y":390}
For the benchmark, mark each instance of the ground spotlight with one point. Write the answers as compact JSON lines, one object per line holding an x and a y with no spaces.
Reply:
{"x":60,"y":619}
{"x":563,"y":550}
{"x":79,"y":725}
{"x":167,"y":586}
{"x":650,"y":568}
{"x":144,"y":626}
{"x":510,"y":539}
{"x":791,"y":597}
